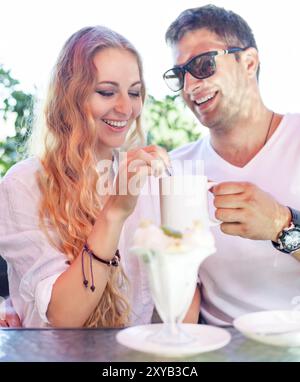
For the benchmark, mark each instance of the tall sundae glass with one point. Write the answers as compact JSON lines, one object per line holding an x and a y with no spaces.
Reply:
{"x":172,"y":253}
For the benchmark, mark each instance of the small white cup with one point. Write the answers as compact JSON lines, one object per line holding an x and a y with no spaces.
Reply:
{"x":183,"y":200}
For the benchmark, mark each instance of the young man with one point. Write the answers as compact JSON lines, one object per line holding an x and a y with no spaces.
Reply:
{"x":254,"y":155}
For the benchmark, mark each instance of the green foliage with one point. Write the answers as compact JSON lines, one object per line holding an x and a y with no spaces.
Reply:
{"x":19,"y":105}
{"x":169,"y":122}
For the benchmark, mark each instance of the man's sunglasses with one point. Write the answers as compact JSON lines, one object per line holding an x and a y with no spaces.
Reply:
{"x":201,"y":66}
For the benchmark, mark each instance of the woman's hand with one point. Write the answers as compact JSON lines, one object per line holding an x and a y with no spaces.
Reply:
{"x":134,"y":168}
{"x":8,"y":315}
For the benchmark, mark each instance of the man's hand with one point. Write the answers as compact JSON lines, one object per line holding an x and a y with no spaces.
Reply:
{"x":249,"y":212}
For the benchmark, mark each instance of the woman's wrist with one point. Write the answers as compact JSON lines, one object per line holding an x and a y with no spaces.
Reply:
{"x":113,"y":213}
{"x":108,"y":227}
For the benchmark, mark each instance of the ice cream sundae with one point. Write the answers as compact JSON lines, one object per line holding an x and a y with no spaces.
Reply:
{"x":172,"y":259}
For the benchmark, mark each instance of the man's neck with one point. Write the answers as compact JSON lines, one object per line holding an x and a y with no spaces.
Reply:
{"x":239,"y":142}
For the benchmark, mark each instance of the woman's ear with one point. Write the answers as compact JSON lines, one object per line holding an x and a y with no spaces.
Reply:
{"x":250,"y":60}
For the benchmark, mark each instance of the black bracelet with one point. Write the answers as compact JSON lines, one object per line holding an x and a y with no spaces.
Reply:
{"x":114,"y":262}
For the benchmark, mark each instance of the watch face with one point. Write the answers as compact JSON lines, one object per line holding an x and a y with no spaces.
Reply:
{"x":291,"y":239}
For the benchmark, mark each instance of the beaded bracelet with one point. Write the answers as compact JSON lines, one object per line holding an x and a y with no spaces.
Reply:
{"x":115,"y":261}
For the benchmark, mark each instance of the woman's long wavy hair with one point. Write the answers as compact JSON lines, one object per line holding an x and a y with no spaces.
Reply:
{"x":70,"y":203}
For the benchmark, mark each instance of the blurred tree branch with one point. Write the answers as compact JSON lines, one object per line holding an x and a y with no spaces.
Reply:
{"x":19,"y":105}
{"x":168,"y":123}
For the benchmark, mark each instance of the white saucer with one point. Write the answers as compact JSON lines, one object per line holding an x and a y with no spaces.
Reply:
{"x":207,"y":337}
{"x":276,"y":327}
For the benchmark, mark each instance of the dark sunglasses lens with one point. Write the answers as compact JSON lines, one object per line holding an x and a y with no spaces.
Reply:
{"x":202,"y":66}
{"x":174,"y":79}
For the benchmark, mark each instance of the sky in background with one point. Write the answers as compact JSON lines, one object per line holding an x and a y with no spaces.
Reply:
{"x":32,"y":33}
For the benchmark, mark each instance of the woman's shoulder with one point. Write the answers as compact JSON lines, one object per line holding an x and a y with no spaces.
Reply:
{"x":23,"y":172}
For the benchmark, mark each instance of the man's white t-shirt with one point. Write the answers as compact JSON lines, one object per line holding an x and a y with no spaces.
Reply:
{"x":250,"y":275}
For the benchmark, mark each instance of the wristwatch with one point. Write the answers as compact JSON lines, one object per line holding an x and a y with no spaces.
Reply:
{"x":289,"y":238}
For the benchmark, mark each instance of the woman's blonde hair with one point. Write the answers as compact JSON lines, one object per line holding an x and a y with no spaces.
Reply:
{"x":67,"y":150}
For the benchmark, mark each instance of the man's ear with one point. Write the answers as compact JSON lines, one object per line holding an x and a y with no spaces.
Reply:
{"x":250,"y":60}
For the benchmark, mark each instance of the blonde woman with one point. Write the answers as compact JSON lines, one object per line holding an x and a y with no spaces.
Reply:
{"x":66,"y":239}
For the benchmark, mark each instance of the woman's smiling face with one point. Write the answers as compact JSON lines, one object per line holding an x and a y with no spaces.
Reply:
{"x":117,"y":98}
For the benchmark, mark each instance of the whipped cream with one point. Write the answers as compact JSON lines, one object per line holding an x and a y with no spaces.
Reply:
{"x":150,"y":237}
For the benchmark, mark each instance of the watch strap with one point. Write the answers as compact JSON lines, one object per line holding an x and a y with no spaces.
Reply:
{"x":295,"y":216}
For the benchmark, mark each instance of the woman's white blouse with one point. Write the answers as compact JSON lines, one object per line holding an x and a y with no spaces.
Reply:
{"x":34,"y":264}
